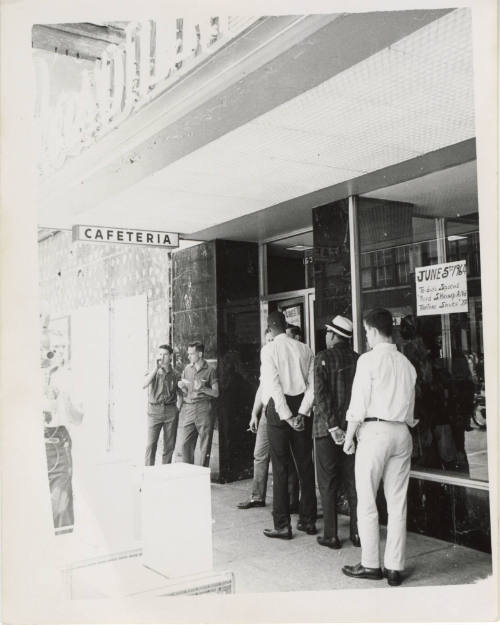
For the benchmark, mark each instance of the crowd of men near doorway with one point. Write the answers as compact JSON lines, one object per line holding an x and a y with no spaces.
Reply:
{"x":346,"y":416}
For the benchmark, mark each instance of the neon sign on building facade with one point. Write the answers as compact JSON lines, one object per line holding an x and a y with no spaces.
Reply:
{"x":153,"y":55}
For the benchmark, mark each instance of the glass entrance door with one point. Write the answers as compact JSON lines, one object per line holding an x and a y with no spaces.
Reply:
{"x":298,"y":308}
{"x":287,"y":282}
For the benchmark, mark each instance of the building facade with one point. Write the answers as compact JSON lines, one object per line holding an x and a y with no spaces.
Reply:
{"x":321,"y":172}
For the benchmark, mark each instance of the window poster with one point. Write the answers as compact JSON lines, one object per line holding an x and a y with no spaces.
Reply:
{"x":293,"y":316}
{"x":441,"y":289}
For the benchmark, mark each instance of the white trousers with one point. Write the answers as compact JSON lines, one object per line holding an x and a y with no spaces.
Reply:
{"x":383,"y":453}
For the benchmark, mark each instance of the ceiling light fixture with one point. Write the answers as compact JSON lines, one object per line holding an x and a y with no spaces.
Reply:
{"x":299,"y":248}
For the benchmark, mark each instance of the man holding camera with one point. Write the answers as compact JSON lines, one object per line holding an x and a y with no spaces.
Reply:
{"x":163,"y":402}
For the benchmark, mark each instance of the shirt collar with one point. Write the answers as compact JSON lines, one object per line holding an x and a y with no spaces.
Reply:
{"x":203,"y":365}
{"x":390,"y":346}
{"x":281,"y":336}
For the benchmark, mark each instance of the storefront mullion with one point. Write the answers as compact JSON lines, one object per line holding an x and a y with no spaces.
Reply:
{"x":356,"y":268}
{"x":445,"y":319}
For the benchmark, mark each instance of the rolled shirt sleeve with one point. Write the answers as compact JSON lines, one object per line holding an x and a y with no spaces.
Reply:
{"x":361,"y":392}
{"x":212,"y":377}
{"x":410,"y":415}
{"x":307,"y":401}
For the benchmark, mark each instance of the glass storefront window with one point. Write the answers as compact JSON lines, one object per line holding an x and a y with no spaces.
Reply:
{"x":438,"y":321}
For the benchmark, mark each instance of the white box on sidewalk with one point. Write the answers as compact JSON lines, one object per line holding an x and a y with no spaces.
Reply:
{"x":177,"y":519}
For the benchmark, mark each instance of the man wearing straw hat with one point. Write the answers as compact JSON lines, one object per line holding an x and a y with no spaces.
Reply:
{"x":334,"y":370}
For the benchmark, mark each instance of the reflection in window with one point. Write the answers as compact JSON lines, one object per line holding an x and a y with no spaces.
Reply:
{"x":445,"y":349}
{"x":465,"y":246}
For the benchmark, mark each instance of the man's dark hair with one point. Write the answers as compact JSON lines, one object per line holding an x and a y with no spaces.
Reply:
{"x":296,"y":331}
{"x":407,"y":328}
{"x":167,"y":347}
{"x":381,"y":319}
{"x":198,"y":345}
{"x":276,"y":321}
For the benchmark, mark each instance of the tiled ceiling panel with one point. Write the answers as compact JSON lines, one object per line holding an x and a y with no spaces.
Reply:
{"x":170,"y":209}
{"x":449,"y":193}
{"x":409,"y":99}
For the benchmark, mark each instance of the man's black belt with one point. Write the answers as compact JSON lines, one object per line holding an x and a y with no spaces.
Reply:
{"x":162,"y":403}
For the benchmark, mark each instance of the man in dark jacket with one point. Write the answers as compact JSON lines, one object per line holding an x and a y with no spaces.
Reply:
{"x":334,"y":370}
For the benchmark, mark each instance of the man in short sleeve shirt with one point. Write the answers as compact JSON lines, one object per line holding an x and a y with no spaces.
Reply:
{"x":163,"y":413}
{"x":199,"y":386}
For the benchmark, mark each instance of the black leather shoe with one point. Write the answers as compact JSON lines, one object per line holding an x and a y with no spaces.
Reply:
{"x":355,"y":540}
{"x":251,"y":503}
{"x":361,"y":572}
{"x":393,"y":577}
{"x":284,"y":532}
{"x":333,"y":543}
{"x":308,"y":528}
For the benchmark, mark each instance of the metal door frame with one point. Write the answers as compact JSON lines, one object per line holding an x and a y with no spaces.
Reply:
{"x":301,"y":296}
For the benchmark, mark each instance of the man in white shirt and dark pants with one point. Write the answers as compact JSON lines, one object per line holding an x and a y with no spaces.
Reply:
{"x":287,"y":378}
{"x":380,"y":411}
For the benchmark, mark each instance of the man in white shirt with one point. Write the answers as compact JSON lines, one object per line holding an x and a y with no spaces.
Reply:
{"x":380,"y":411}
{"x":261,"y":455}
{"x":287,"y":371}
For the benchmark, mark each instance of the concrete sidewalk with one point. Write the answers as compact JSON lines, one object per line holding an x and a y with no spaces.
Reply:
{"x":261,"y":564}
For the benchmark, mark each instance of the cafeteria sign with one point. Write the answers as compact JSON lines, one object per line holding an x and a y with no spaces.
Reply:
{"x":152,"y":238}
{"x":441,"y":289}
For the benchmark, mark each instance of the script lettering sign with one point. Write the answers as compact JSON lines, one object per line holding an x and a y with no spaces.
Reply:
{"x":441,"y":289}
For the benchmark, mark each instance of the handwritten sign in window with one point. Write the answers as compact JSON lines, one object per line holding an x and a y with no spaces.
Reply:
{"x":441,"y":289}
{"x":292,"y":316}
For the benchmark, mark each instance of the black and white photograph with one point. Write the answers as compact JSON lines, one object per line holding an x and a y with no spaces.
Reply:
{"x":250,"y":303}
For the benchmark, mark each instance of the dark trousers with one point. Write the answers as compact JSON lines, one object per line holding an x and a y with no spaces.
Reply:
{"x":60,"y":470}
{"x":167,"y":423}
{"x":293,"y":484}
{"x":335,"y":469}
{"x":282,"y":438}
{"x":261,"y":457}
